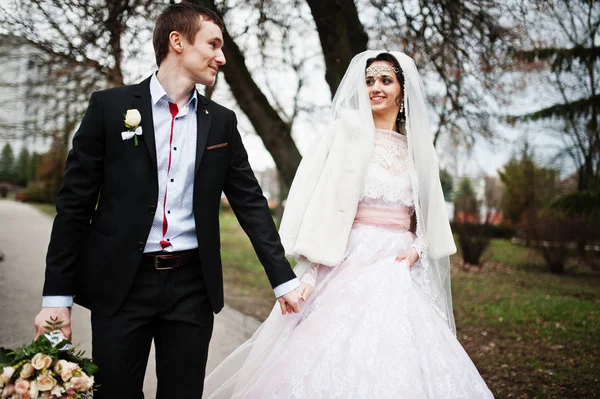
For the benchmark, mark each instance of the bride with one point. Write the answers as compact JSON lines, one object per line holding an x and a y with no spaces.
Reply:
{"x":367,"y":222}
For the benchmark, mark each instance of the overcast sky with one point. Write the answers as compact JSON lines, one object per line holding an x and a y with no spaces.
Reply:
{"x":278,"y":82}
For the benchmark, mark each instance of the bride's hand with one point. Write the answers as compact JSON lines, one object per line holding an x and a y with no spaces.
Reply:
{"x":410,"y":255}
{"x":306,"y":290}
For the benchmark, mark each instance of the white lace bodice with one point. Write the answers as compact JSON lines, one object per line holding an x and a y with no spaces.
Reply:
{"x":387,"y":181}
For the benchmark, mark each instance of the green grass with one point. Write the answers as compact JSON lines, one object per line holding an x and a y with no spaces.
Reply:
{"x":507,"y":253}
{"x":246,"y":286}
{"x":530,"y":333}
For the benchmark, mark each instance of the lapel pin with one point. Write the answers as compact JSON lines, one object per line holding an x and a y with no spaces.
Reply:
{"x":206,"y":111}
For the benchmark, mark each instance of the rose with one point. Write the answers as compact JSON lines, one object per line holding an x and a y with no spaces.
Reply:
{"x":7,"y":373}
{"x":27,"y":370}
{"x":82,"y":382}
{"x":21,"y":386}
{"x":45,"y":382}
{"x":132,"y":118}
{"x":65,"y":369}
{"x":33,"y":389}
{"x":45,"y":395}
{"x":41,"y":361}
{"x":89,"y":382}
{"x":132,"y":122}
{"x":57,"y":391}
{"x":58,"y":366}
{"x":8,"y":391}
{"x":77,"y":383}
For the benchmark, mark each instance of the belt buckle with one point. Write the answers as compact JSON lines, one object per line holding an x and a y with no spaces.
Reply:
{"x":158,"y":257}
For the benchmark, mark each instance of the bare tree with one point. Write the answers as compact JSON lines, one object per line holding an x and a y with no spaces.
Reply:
{"x":73,"y":48}
{"x":80,"y":47}
{"x":273,"y":129}
{"x":459,"y":47}
{"x":561,"y":43}
{"x":342,"y":36}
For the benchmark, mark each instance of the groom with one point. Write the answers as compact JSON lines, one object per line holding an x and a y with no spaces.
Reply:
{"x":136,"y":238}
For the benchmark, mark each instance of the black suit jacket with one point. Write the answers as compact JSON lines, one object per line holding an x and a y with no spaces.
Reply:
{"x":107,"y":204}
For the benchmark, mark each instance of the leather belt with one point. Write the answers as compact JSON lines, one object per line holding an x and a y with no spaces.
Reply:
{"x":167,"y":261}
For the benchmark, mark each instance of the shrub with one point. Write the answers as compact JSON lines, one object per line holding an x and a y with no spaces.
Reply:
{"x":554,"y":234}
{"x":494,"y":230}
{"x":33,"y":194}
{"x":473,"y":239}
{"x":5,"y":188}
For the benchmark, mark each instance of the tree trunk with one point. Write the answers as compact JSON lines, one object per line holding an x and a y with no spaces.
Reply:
{"x":342,"y":36}
{"x":274,"y":131}
{"x":115,"y":28}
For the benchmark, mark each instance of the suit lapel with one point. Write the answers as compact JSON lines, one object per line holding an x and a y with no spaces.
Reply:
{"x":143,"y":102}
{"x":204,"y":117}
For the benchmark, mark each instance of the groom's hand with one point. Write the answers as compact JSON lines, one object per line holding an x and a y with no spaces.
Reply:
{"x":290,"y":302}
{"x":47,"y":314}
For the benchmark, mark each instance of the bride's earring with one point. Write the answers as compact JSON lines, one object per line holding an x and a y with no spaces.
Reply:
{"x":401,"y":110}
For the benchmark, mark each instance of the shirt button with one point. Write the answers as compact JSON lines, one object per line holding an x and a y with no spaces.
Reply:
{"x":172,"y":180}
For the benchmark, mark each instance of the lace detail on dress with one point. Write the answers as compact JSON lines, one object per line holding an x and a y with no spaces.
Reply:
{"x":387,"y":180}
{"x":310,"y":277}
{"x":420,"y":245}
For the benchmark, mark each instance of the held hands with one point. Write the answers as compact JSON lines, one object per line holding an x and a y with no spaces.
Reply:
{"x":62,"y":314}
{"x":410,"y":255}
{"x":290,"y":302}
{"x":299,"y":294}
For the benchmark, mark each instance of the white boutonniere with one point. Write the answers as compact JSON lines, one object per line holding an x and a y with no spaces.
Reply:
{"x":133,"y":118}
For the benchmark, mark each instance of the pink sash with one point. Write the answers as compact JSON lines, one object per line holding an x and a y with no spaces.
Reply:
{"x":398,"y":218}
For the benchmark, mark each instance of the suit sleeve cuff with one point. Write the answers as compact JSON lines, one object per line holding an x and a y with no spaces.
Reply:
{"x":56,"y":301}
{"x":286,"y":287}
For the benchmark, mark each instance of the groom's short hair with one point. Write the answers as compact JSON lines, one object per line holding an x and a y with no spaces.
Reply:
{"x":183,"y":18}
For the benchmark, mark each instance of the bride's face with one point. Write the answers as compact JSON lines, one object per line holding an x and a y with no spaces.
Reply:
{"x":383,"y":87}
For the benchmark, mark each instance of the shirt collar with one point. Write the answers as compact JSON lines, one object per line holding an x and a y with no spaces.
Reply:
{"x":157,"y":93}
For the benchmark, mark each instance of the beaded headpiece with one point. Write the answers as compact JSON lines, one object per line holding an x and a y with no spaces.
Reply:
{"x":377,"y":70}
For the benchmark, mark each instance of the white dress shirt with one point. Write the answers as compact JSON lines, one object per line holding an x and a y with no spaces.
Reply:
{"x":173,"y":228}
{"x":175,"y":155}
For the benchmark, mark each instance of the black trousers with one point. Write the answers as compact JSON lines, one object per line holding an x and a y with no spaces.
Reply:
{"x":170,"y":307}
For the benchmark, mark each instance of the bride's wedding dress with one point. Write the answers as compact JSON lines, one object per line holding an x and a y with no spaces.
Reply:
{"x":369,"y":329}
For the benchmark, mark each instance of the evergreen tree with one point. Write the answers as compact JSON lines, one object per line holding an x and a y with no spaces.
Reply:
{"x":466,"y":202}
{"x":34,"y":161}
{"x":7,"y":163}
{"x":447,"y":184}
{"x":527,"y":186}
{"x":571,"y":52}
{"x":473,"y":236}
{"x":22,"y":166}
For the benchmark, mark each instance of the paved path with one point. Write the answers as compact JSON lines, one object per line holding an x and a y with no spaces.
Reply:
{"x":24,"y":235}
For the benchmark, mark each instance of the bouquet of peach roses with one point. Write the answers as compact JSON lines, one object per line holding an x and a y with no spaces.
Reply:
{"x":48,"y":368}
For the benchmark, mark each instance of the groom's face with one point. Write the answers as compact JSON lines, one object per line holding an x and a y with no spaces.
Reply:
{"x":204,"y":57}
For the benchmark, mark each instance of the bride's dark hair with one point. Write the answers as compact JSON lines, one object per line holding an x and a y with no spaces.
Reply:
{"x":401,"y":118}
